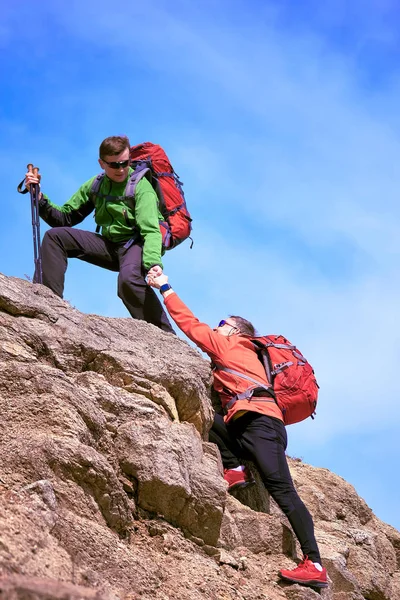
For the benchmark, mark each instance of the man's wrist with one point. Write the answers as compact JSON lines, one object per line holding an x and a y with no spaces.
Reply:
{"x":155,"y":265}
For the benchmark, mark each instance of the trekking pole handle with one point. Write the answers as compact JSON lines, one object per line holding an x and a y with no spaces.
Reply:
{"x":36,"y":173}
{"x":33,"y":170}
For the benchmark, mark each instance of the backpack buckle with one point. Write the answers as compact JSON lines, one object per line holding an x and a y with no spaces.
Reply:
{"x":281,"y":367}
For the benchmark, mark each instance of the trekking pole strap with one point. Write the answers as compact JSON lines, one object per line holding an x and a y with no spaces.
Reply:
{"x":19,"y":188}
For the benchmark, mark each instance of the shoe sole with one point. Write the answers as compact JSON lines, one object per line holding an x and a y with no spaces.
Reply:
{"x":311,"y":583}
{"x":241,"y":484}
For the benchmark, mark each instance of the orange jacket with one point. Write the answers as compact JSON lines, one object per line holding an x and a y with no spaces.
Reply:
{"x":234,"y":352}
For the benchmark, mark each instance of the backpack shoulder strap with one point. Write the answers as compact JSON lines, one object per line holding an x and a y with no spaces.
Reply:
{"x":133,"y":180}
{"x":261,"y":348}
{"x":142,"y":170}
{"x":96,"y":185}
{"x":262,"y":345}
{"x":94,"y":191}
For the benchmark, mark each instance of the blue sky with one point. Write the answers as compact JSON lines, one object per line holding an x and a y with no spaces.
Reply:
{"x":283,"y":121}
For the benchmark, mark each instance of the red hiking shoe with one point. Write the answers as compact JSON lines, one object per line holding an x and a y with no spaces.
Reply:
{"x":238,"y":479}
{"x":306,"y":573}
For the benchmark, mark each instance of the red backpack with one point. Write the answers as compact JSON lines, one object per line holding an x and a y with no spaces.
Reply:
{"x":291,"y":376}
{"x":151,"y":160}
{"x":294,"y":387}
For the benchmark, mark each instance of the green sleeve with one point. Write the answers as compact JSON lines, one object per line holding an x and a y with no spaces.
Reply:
{"x":72,"y":212}
{"x":80,"y":197}
{"x":147,"y":220}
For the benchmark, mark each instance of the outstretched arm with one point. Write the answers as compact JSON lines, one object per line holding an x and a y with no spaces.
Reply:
{"x":200,"y":333}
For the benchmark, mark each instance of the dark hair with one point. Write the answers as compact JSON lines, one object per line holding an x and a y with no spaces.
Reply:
{"x":113,"y":145}
{"x":244,"y":326}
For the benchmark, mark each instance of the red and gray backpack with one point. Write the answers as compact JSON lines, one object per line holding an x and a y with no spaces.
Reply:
{"x":292,"y":381}
{"x":149,"y":160}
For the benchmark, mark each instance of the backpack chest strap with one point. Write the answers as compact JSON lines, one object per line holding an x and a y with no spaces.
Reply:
{"x":219,"y":367}
{"x":248,"y":394}
{"x":243,"y":396}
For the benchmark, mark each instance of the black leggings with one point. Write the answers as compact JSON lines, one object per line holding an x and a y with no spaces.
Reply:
{"x":263,"y":440}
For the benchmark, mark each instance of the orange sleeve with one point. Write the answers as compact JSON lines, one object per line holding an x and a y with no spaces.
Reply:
{"x":201,"y":334}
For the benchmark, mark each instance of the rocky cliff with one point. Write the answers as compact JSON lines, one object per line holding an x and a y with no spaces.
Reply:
{"x":110,"y":491}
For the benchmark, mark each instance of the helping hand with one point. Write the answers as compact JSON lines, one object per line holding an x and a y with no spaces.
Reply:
{"x":155,"y":271}
{"x":157,"y":282}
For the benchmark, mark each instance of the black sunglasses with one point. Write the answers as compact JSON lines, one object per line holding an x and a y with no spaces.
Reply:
{"x":223,"y":322}
{"x":122,"y":164}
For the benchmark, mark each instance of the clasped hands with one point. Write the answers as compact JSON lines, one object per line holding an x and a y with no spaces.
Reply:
{"x":156,"y":277}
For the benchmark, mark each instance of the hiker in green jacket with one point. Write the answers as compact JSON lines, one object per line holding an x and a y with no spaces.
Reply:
{"x":130,"y":241}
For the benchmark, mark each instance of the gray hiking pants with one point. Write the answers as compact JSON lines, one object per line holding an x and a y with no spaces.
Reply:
{"x":61,"y":243}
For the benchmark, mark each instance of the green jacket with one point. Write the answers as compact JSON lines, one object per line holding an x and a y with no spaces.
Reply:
{"x":118,"y":218}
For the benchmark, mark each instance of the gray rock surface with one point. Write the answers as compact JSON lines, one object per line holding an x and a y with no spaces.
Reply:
{"x":109,"y":489}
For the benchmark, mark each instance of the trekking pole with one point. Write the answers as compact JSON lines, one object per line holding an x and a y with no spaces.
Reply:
{"x":37,"y":251}
{"x":34,"y":193}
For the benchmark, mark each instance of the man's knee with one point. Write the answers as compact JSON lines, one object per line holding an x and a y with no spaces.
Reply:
{"x":48,"y":237}
{"x":55,"y":234}
{"x":130,"y":281}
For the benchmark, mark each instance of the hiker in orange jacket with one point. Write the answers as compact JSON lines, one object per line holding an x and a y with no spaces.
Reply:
{"x":251,"y":428}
